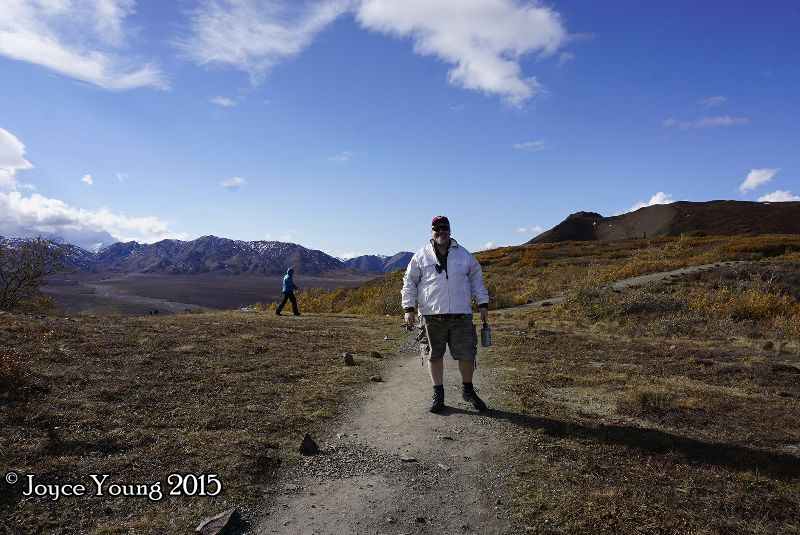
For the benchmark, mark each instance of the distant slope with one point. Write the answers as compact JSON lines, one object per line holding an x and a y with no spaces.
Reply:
{"x":379,"y":263}
{"x":713,"y":218}
{"x":369,"y":263}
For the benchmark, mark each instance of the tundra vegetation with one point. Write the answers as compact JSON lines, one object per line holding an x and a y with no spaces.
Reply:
{"x":522,"y":274}
{"x":139,"y":398}
{"x":669,"y":408}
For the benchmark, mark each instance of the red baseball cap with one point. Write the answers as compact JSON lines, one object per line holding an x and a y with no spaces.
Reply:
{"x":440,"y":221}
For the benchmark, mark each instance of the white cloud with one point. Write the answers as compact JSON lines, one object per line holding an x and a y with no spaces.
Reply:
{"x":223,"y":101}
{"x":756,"y":178}
{"x":233,"y":183}
{"x":253,"y":35}
{"x":707,"y":122}
{"x":343,"y":157}
{"x":536,"y":229}
{"x":658,"y":198}
{"x":483,"y":40}
{"x":84,"y":40}
{"x":532,"y":146}
{"x":36,"y":214}
{"x":779,"y":196}
{"x":485,"y":246}
{"x":711,"y":102}
{"x":565,"y":57}
{"x":87,"y":179}
{"x":12,"y":159}
{"x":122,"y":177}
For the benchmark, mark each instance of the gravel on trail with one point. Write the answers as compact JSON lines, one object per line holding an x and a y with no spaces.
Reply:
{"x":389,"y":466}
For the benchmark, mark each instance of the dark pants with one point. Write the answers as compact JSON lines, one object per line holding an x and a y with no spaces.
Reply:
{"x":288,"y":296}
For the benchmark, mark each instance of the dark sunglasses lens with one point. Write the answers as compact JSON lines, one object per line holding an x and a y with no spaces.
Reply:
{"x":441,"y":229}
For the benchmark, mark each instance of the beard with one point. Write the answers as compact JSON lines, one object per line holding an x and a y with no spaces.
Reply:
{"x":441,"y":240}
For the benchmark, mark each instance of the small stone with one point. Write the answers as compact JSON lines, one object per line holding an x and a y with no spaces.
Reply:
{"x":443,"y":467}
{"x":348,"y":359}
{"x":224,"y":523}
{"x":408,"y":459}
{"x":421,"y":520}
{"x":375,"y":355}
{"x":290,"y":486}
{"x":308,"y":446}
{"x":446,"y":438}
{"x":391,"y":520}
{"x":376,"y":379}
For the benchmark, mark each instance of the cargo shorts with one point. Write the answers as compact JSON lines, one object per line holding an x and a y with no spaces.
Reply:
{"x":455,"y":331}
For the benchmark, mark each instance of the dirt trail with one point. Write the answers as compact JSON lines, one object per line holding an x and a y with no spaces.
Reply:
{"x":391,"y":467}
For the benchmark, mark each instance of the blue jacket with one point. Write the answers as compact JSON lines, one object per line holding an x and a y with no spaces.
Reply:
{"x":288,"y":283}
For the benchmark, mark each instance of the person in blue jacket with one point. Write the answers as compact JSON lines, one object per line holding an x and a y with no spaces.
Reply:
{"x":288,"y":293}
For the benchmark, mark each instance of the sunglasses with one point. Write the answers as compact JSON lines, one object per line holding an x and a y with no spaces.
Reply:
{"x":441,"y":229}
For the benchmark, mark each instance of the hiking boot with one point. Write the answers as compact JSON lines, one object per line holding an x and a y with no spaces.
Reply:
{"x":437,"y":400}
{"x":471,"y":397}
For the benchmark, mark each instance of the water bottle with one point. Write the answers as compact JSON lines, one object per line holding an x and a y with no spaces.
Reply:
{"x":486,"y":335}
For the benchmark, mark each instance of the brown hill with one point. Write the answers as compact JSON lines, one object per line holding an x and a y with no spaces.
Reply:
{"x":713,"y":218}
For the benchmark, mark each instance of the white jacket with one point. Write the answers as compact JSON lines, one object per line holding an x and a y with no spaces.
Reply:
{"x":448,"y":292}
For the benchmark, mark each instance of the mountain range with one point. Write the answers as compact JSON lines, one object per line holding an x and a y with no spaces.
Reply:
{"x":210,"y":254}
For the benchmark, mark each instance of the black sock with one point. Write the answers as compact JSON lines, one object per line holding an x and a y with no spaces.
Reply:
{"x":439,"y":387}
{"x":467,"y":386}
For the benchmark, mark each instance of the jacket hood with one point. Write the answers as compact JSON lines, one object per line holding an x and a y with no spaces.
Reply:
{"x":289,"y":271}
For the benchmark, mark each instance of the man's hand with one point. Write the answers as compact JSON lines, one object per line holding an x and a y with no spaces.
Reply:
{"x":410,"y":318}
{"x":484,"y":315}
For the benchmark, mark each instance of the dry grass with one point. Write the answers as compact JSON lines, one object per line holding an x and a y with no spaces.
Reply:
{"x":140,"y":398}
{"x":621,"y":430}
{"x":378,"y":296}
{"x":526,"y":273}
{"x":670,"y":408}
{"x":751,"y":299}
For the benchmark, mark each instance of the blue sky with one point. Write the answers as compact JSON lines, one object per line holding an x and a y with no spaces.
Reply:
{"x":347,"y":125}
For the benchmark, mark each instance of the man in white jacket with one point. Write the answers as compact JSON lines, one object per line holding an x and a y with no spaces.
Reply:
{"x":444,"y":278}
